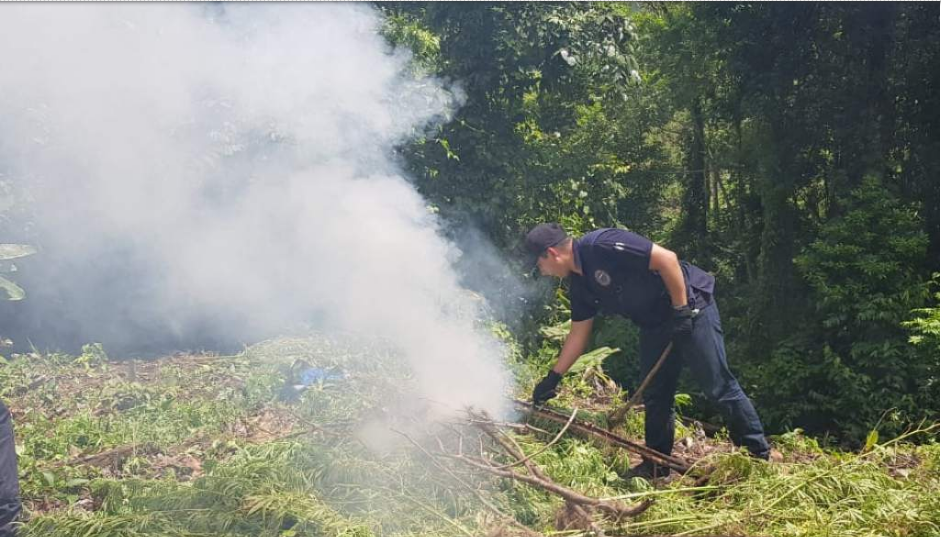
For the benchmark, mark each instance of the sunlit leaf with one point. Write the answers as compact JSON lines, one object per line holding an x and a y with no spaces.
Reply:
{"x":9,"y":251}
{"x":872,"y":440}
{"x":14,"y":292}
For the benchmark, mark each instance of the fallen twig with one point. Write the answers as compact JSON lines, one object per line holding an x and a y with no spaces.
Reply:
{"x":538,"y":478}
{"x":614,"y":509}
{"x":514,"y":426}
{"x":633,"y":495}
{"x":475,"y":491}
{"x":545,"y":447}
{"x":313,"y":426}
{"x":674,"y":463}
{"x":22,"y":390}
{"x":109,"y":455}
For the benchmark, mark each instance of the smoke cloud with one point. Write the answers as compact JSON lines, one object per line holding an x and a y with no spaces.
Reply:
{"x":202,"y":173}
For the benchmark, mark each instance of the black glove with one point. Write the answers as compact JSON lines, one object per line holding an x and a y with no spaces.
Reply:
{"x":545,"y":389}
{"x":682,"y":324}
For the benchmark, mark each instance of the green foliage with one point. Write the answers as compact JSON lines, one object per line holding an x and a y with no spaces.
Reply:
{"x":853,"y":360}
{"x":407,"y":32}
{"x":797,"y":441}
{"x":925,"y":328}
{"x":92,"y":355}
{"x":234,"y":498}
{"x":624,"y":366}
{"x":203,"y":450}
{"x":737,"y":157}
{"x":539,"y":137}
{"x":592,"y":360}
{"x":12,"y":251}
{"x":203,"y":445}
{"x":839,"y":495}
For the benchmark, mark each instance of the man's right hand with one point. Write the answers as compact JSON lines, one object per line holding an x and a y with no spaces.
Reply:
{"x":545,"y":389}
{"x":682,"y":324}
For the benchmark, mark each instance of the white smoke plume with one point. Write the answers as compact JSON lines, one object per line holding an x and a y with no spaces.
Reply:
{"x":227,"y":170}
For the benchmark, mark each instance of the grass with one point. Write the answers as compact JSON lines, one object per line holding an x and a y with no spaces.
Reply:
{"x":833,"y":495}
{"x":215,"y":445}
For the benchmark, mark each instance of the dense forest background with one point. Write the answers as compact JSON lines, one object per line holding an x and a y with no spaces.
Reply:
{"x":789,"y":148}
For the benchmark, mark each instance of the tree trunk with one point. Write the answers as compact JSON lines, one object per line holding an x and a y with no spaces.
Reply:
{"x":716,"y":186}
{"x":695,"y":200}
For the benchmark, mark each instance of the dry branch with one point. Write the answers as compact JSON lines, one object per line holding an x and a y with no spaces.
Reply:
{"x":578,"y":509}
{"x":40,"y":380}
{"x":613,"y":509}
{"x":106,"y":457}
{"x":578,"y":503}
{"x":545,"y":447}
{"x":475,"y":491}
{"x":597,"y":433}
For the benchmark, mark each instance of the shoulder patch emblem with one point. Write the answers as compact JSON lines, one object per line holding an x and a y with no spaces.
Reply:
{"x":602,"y":277}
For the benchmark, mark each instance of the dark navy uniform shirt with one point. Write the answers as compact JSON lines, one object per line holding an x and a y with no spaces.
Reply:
{"x":616,"y":279}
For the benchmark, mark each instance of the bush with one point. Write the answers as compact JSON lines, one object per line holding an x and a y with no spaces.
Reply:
{"x":852,"y":365}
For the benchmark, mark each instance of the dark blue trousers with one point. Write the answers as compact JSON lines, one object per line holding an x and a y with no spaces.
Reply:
{"x":704,"y":353}
{"x":9,"y":476}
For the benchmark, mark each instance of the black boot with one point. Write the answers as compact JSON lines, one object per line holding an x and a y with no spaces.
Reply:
{"x":764,"y":455}
{"x":649,"y":470}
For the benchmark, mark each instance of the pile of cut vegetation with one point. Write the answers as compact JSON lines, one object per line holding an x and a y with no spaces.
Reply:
{"x":326,"y":435}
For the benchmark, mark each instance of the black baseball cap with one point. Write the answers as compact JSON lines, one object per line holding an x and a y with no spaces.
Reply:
{"x":540,"y":238}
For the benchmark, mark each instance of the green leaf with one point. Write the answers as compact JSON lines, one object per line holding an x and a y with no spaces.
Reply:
{"x":14,"y":292}
{"x":593,"y":358}
{"x":447,"y":148}
{"x":557,"y":332}
{"x":681,"y":400}
{"x":871,"y":440}
{"x":9,"y":251}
